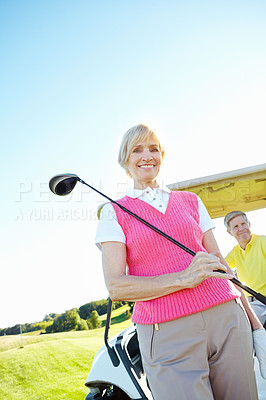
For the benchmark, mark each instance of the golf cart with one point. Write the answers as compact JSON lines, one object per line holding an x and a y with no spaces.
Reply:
{"x":117,"y":371}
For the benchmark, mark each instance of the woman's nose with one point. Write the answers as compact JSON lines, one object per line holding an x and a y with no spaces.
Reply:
{"x":147,"y":155}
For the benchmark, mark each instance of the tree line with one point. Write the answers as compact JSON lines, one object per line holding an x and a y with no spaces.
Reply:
{"x":82,"y":318}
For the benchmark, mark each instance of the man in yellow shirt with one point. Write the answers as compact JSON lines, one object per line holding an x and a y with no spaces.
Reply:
{"x":248,"y":258}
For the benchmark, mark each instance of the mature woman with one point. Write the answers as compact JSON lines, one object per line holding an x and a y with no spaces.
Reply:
{"x":195,"y":337}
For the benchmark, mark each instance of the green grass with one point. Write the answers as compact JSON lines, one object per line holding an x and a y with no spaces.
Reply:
{"x":52,"y":366}
{"x":118,"y":315}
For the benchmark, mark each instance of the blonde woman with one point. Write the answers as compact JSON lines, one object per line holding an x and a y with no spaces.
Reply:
{"x":194,"y":335}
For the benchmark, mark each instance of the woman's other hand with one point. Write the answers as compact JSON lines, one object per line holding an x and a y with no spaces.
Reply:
{"x":204,"y":266}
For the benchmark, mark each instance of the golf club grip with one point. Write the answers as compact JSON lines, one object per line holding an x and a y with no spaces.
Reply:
{"x":257,"y":295}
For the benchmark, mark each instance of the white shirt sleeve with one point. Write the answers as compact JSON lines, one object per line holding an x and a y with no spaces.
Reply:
{"x":109,"y":229}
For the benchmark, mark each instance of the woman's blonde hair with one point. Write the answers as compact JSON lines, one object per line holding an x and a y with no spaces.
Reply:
{"x":135,"y":134}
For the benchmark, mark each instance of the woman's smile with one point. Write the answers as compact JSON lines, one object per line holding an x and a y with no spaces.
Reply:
{"x":147,"y":166}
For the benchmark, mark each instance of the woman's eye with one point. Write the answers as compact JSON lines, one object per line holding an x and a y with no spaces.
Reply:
{"x":155,"y":149}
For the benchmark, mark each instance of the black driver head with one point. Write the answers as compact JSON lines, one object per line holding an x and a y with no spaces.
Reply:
{"x":63,"y":184}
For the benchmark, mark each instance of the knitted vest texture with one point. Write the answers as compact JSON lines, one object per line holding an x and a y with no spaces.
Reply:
{"x":150,"y":254}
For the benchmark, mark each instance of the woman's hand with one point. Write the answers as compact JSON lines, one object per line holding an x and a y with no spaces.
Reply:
{"x":204,"y":266}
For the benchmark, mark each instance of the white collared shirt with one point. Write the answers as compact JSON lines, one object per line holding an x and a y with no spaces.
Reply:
{"x":109,"y":229}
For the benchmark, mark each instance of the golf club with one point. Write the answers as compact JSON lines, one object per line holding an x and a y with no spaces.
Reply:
{"x":63,"y":184}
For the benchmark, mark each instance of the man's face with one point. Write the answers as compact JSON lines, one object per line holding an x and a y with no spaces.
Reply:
{"x":240,"y":229}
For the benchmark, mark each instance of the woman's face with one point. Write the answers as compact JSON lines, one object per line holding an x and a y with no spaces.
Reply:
{"x":144,"y":162}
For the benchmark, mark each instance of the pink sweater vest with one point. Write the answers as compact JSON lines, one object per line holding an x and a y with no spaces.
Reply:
{"x":150,"y":254}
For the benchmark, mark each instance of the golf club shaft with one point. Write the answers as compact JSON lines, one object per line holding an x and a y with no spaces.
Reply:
{"x":257,"y":295}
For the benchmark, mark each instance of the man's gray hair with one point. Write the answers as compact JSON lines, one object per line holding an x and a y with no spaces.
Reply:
{"x":232,"y":215}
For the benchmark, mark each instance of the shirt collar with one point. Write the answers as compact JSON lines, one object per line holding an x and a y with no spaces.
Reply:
{"x":136,"y":193}
{"x":251,"y":242}
{"x":253,"y":239}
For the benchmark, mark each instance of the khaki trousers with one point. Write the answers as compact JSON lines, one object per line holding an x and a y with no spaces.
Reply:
{"x":204,"y":356}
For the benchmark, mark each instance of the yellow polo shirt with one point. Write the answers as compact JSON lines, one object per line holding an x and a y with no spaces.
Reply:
{"x":250,"y":263}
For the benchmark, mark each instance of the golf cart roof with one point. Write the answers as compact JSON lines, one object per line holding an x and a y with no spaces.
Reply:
{"x":242,"y":189}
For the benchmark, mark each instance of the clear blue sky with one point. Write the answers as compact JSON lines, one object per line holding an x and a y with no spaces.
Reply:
{"x":75,"y":75}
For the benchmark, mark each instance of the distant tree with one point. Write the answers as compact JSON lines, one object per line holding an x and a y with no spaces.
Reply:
{"x":127,"y":314}
{"x":57,"y":326}
{"x":65,"y":322}
{"x":49,"y":329}
{"x":53,"y":315}
{"x":36,"y":326}
{"x":94,"y":320}
{"x":89,"y":324}
{"x":48,"y":318}
{"x":86,"y":310}
{"x":82,"y":325}
{"x":131,"y":306}
{"x":118,"y":304}
{"x":71,"y":320}
{"x":13,"y":330}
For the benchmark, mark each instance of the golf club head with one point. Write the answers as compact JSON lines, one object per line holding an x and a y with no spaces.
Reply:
{"x":63,"y":184}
